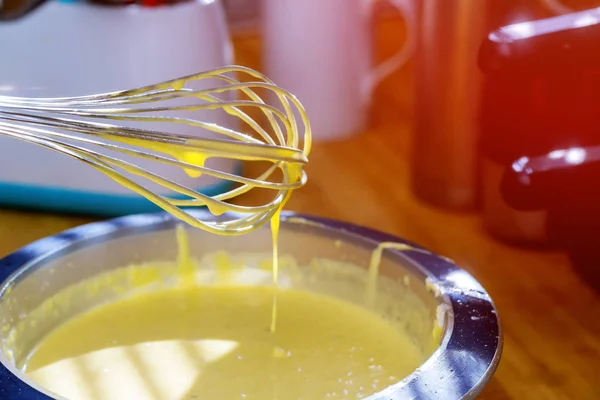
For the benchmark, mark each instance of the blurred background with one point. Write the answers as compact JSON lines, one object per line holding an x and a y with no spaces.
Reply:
{"x":467,"y":126}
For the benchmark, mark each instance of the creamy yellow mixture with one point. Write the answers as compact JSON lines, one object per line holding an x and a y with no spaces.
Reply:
{"x":199,"y":338}
{"x":212,"y":343}
{"x":194,"y":340}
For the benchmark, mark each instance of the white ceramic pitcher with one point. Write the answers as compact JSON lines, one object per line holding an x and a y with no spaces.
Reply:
{"x":322,"y":51}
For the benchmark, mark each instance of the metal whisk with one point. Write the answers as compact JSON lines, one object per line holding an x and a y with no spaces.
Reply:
{"x":71,"y":125}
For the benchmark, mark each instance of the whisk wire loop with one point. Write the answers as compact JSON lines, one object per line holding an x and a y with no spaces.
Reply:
{"x":70,"y":125}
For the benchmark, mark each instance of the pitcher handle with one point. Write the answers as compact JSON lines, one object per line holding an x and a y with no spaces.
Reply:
{"x":383,"y":70}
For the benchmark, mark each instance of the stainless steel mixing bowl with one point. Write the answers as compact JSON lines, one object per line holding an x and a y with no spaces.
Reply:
{"x":435,"y":293}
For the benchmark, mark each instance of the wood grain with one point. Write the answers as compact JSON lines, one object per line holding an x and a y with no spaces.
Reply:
{"x":550,"y":315}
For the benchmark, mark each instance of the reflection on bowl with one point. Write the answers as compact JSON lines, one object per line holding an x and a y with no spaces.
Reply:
{"x":450,"y":325}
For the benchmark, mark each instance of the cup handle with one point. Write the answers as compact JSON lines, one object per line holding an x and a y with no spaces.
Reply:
{"x":381,"y":71}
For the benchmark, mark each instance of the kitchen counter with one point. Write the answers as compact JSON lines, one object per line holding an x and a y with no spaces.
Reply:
{"x":550,"y":315}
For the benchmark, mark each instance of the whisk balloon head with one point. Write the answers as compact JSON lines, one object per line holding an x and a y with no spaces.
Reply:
{"x":178,"y":123}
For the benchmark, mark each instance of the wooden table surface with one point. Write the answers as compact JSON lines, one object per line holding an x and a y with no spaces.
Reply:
{"x":550,"y":315}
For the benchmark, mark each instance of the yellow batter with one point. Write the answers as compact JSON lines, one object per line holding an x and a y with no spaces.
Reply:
{"x":212,"y":343}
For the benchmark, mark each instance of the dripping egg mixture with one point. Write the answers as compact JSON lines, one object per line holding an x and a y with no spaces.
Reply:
{"x":207,"y":328}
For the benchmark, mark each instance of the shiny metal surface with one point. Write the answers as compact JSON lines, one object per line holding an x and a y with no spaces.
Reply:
{"x":459,"y":368}
{"x":448,"y":85}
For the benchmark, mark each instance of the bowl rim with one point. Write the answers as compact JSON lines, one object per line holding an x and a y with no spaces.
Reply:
{"x":459,"y":368}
